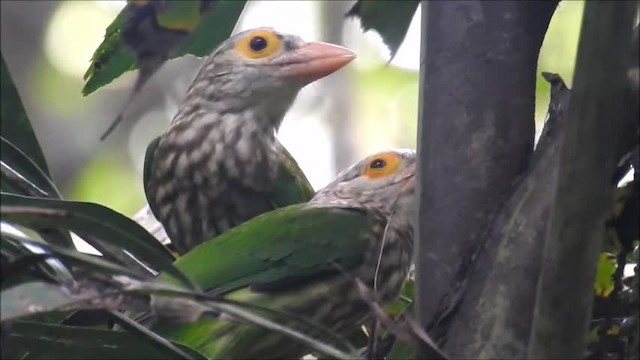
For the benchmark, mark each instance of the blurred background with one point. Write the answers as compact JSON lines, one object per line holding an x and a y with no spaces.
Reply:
{"x":368,"y":106}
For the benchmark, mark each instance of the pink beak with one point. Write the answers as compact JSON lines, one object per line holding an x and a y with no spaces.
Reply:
{"x":314,"y":60}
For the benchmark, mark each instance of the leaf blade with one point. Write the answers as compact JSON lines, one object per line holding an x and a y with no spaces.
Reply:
{"x":112,"y":59}
{"x":17,"y":160}
{"x":85,"y":343}
{"x":103,"y":223}
{"x":389,"y":18}
{"x":15,"y":124}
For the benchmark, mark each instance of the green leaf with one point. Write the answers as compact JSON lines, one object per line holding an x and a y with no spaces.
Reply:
{"x":27,"y":299}
{"x":112,"y":59}
{"x":19,"y":162}
{"x":15,"y":124}
{"x":213,"y":29}
{"x":401,"y":350}
{"x":102,"y":224}
{"x":405,"y":300}
{"x":607,"y":265}
{"x":389,"y":18}
{"x":34,"y":340}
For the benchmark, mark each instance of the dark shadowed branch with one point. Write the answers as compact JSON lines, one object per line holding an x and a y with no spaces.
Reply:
{"x":476,"y":131}
{"x":495,"y":315}
{"x":584,"y":189}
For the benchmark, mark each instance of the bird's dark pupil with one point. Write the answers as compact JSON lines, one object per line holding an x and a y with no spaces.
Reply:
{"x":258,"y":43}
{"x":377,"y":164}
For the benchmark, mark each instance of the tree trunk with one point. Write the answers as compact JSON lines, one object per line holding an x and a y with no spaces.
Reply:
{"x":584,"y":190}
{"x":476,"y":133}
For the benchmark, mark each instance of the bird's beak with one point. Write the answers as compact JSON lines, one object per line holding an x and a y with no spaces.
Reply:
{"x":314,"y":60}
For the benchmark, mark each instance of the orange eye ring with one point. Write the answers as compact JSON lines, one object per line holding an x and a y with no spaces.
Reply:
{"x":259,"y":44}
{"x":381,"y":165}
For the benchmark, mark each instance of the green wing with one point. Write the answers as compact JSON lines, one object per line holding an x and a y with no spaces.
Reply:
{"x":296,"y":241}
{"x":146,"y":172}
{"x":291,"y":185}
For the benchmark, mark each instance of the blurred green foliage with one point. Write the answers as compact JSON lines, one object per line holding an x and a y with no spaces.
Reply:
{"x":107,"y":180}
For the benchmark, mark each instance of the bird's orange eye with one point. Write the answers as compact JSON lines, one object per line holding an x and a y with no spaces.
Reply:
{"x":259,"y":44}
{"x":381,"y":165}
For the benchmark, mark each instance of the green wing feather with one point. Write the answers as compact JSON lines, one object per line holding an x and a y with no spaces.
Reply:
{"x":146,"y":172}
{"x":295,"y":241}
{"x":291,"y":185}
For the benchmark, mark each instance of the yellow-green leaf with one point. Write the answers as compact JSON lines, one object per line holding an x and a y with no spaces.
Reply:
{"x":604,"y":277}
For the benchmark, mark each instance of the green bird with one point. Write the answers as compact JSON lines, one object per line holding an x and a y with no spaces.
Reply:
{"x":219,"y":163}
{"x":302,"y":260}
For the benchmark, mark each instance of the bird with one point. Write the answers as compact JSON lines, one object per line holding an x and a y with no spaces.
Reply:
{"x":219,"y":163}
{"x":303,"y":260}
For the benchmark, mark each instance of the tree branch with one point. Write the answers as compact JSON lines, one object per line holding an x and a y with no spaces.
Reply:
{"x":476,"y":133}
{"x":587,"y":161}
{"x":495,"y":315}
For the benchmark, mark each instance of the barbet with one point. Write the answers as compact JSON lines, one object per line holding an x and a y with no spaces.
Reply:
{"x":302,"y":260}
{"x":219,"y":163}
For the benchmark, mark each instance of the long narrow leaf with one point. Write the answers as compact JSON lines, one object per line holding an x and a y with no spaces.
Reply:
{"x":85,"y":261}
{"x":51,"y":233}
{"x":151,"y":337}
{"x":13,"y":157}
{"x":15,"y":125}
{"x":62,"y":299}
{"x":115,"y":254}
{"x":14,"y":248}
{"x":103,"y":223}
{"x":16,"y":244}
{"x":34,"y":340}
{"x":16,"y":183}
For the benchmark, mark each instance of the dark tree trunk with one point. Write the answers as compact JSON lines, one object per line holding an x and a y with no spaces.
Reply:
{"x":495,"y":313}
{"x":476,"y":136}
{"x":587,"y":161}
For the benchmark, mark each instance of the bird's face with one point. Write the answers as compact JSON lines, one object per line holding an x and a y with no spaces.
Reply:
{"x":265,"y":67}
{"x":377,"y":180}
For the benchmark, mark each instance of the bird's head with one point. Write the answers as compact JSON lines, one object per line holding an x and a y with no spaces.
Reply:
{"x":376,"y":181}
{"x":265,"y":69}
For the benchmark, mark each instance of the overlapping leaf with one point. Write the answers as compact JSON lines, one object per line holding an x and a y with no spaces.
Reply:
{"x":112,"y":58}
{"x":389,"y":18}
{"x":35,"y":340}
{"x":103,"y":224}
{"x":15,"y":124}
{"x":19,"y":162}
